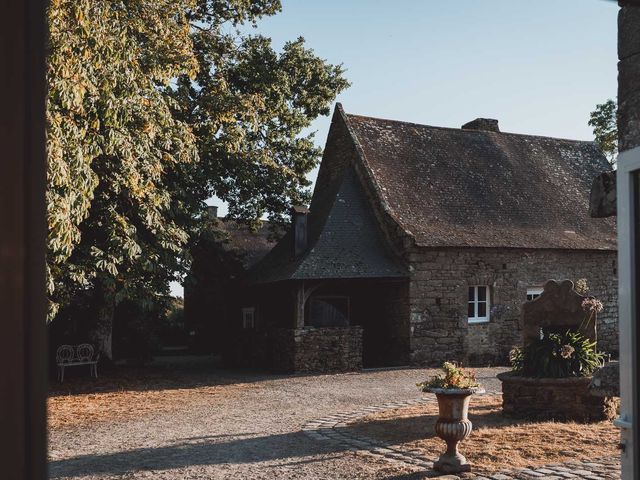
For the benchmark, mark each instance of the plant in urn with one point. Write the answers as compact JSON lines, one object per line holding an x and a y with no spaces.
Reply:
{"x":453,"y":391}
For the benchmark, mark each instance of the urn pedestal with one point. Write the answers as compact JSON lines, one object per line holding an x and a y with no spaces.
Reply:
{"x":453,"y":426}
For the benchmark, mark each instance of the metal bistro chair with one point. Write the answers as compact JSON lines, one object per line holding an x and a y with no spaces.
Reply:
{"x":69,"y":356}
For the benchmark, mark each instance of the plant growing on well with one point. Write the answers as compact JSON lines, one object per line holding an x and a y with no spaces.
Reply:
{"x":453,"y":377}
{"x":557,"y":355}
{"x":591,"y":306}
{"x":581,"y":286}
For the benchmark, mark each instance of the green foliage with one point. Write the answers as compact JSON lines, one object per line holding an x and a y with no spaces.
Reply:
{"x":114,"y":145}
{"x":153,"y":107}
{"x":453,"y":377}
{"x":557,"y":355}
{"x":171,"y":327}
{"x":174,"y":315}
{"x":248,"y":108}
{"x":605,"y":129}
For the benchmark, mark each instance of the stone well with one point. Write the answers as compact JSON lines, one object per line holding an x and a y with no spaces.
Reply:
{"x":563,"y":399}
{"x":558,"y":309}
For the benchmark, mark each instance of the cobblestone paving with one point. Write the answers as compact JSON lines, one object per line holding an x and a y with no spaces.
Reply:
{"x":333,"y":428}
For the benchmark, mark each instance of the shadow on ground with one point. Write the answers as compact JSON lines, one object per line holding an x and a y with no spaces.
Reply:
{"x":290,"y":448}
{"x":196,"y":451}
{"x":401,"y":430}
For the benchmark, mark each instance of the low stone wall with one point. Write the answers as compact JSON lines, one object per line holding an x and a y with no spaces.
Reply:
{"x":562,"y":399}
{"x":316,"y":350}
{"x":606,"y":381}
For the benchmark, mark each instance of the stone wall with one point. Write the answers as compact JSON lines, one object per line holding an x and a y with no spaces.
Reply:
{"x":560,"y":399}
{"x":316,"y":350}
{"x":438,"y":298}
{"x":628,"y":74}
{"x":606,"y":381}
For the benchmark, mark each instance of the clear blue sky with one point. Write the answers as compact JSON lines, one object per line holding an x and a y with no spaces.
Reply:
{"x":538,"y":66}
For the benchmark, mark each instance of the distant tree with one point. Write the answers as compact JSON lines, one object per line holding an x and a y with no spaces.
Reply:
{"x":153,"y":106}
{"x":605,"y":129}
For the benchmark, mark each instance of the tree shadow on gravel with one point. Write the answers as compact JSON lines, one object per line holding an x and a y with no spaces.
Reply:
{"x":200,"y":452}
{"x":421,"y":426}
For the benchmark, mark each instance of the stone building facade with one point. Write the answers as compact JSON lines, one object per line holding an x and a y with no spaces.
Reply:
{"x":438,"y":297}
{"x":429,"y":240}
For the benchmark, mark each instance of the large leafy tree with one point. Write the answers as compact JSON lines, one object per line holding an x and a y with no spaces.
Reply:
{"x":248,"y":107}
{"x":153,"y":106}
{"x":605,"y":129}
{"x":113,"y":142}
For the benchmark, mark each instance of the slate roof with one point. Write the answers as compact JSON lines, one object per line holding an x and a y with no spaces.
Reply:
{"x":251,"y":246}
{"x":349,"y":244}
{"x":451,"y":187}
{"x":443,"y":187}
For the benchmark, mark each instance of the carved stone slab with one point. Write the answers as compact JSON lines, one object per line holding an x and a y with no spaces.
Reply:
{"x":558,"y":308}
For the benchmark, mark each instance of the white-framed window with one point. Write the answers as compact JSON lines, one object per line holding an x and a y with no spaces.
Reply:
{"x":533,"y":293}
{"x":248,"y":318}
{"x":478,"y":306}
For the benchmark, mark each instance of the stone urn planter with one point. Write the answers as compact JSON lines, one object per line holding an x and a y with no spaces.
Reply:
{"x":453,"y":426}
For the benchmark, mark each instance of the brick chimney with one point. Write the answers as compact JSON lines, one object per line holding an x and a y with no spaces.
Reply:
{"x":484,"y":124}
{"x":212,"y":212}
{"x":299,"y":223}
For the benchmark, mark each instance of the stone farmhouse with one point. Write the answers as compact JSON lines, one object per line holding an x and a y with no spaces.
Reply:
{"x":421,"y":244}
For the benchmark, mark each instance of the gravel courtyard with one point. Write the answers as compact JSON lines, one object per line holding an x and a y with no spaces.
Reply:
{"x":225,"y":425}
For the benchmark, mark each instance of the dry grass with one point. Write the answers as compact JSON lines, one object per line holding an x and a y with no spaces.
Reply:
{"x":129,"y":393}
{"x":497,"y":442}
{"x":66,"y":411}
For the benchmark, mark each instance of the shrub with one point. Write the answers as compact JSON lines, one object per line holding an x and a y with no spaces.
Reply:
{"x":454,"y":377}
{"x":557,"y":355}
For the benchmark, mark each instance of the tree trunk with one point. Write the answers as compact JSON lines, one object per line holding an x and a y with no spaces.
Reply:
{"x":102,"y":331}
